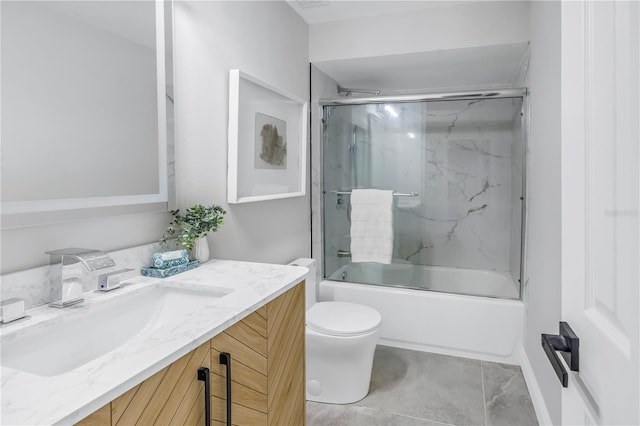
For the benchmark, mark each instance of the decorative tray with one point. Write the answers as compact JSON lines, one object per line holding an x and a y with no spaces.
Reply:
{"x":167,"y":272}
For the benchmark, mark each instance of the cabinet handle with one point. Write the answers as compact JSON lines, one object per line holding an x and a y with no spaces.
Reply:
{"x":225,"y":358}
{"x":203,"y":375}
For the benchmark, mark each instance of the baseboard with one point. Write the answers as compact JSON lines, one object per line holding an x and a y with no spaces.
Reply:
{"x":537,"y":400}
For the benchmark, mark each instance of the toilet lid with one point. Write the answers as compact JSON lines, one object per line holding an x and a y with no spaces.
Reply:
{"x":342,"y":318}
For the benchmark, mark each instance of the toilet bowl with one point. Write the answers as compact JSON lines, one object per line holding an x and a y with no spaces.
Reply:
{"x":341,"y":339}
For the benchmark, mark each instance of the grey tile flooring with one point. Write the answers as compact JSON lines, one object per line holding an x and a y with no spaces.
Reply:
{"x":506,"y":396}
{"x":435,"y":387}
{"x":347,"y":415}
{"x":418,"y":388}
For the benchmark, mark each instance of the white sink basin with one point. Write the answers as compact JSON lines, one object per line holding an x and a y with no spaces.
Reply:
{"x":63,"y":344}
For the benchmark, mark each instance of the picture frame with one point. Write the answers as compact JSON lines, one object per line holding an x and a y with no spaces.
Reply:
{"x":267,"y":146}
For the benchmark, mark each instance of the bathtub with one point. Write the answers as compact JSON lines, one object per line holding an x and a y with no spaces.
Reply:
{"x":419,"y":313}
{"x":435,"y":278}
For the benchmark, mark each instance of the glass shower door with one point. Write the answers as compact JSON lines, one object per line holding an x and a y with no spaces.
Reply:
{"x":464,"y":160}
{"x":364,"y":148}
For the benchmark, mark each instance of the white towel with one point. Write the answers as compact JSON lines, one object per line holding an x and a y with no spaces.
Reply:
{"x":371,"y":225}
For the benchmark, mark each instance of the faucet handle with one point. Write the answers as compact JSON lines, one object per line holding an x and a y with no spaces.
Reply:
{"x":11,"y":310}
{"x":111,"y":280}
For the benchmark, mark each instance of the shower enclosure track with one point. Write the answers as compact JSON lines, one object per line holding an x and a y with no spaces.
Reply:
{"x":395,"y":194}
{"x":447,"y":96}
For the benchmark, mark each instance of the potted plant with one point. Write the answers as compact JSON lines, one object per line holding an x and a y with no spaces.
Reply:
{"x":191,"y":229}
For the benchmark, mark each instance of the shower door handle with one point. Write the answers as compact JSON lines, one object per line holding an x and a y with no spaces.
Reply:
{"x":568,"y":344}
{"x":344,"y":253}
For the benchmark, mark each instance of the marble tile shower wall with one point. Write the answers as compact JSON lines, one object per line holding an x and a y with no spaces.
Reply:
{"x":33,"y":285}
{"x":465,"y":216}
{"x":464,"y":158}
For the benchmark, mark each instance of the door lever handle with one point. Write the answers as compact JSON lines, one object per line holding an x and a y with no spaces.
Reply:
{"x":568,"y":344}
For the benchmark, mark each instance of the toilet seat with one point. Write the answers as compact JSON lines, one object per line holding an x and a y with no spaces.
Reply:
{"x":342,"y":318}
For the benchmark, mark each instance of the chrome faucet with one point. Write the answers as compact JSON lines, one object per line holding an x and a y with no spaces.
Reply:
{"x":66,"y":290}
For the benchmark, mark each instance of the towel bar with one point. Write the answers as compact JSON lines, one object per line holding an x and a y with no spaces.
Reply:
{"x":396,"y":194}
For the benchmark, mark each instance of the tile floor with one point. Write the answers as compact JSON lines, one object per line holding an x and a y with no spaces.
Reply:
{"x":418,"y":388}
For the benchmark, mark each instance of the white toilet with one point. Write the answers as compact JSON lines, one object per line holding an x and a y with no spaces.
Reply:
{"x":340,"y":341}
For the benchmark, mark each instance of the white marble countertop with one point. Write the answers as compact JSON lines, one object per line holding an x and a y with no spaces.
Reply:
{"x":69,"y":397}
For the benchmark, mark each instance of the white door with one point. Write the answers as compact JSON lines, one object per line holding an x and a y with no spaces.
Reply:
{"x":600,"y":216}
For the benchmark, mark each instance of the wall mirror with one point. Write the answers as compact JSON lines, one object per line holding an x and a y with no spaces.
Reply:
{"x":87,"y":109}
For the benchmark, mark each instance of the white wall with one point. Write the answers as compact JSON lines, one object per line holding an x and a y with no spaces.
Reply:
{"x":543,"y":264}
{"x":268,"y":40}
{"x":447,"y":27}
{"x":24,"y":248}
{"x":35,"y":127}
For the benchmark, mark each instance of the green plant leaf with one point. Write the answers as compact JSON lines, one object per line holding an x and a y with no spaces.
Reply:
{"x":197,"y":222}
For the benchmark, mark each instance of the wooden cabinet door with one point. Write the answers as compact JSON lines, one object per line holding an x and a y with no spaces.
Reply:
{"x":286,"y":379}
{"x":101,"y":417}
{"x":173,"y":396}
{"x":246,"y":341}
{"x":267,"y":353}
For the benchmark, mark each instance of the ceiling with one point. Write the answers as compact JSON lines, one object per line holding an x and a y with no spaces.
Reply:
{"x":497,"y":66}
{"x":321,"y":11}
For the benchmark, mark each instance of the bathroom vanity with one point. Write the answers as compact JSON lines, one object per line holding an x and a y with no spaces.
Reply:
{"x":252,"y":314}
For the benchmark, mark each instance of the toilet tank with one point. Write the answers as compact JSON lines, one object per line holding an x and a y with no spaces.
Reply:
{"x":310,"y":279}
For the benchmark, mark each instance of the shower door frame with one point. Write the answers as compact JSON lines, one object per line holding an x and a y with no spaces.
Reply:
{"x":520,"y":92}
{"x":428,"y":97}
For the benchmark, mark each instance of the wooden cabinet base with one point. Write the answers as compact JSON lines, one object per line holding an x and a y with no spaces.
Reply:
{"x":102,"y":417}
{"x":267,"y":353}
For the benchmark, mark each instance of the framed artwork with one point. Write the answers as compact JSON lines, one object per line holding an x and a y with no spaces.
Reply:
{"x":267,"y":141}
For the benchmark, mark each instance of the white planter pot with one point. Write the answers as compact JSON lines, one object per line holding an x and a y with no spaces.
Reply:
{"x":201,"y":250}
